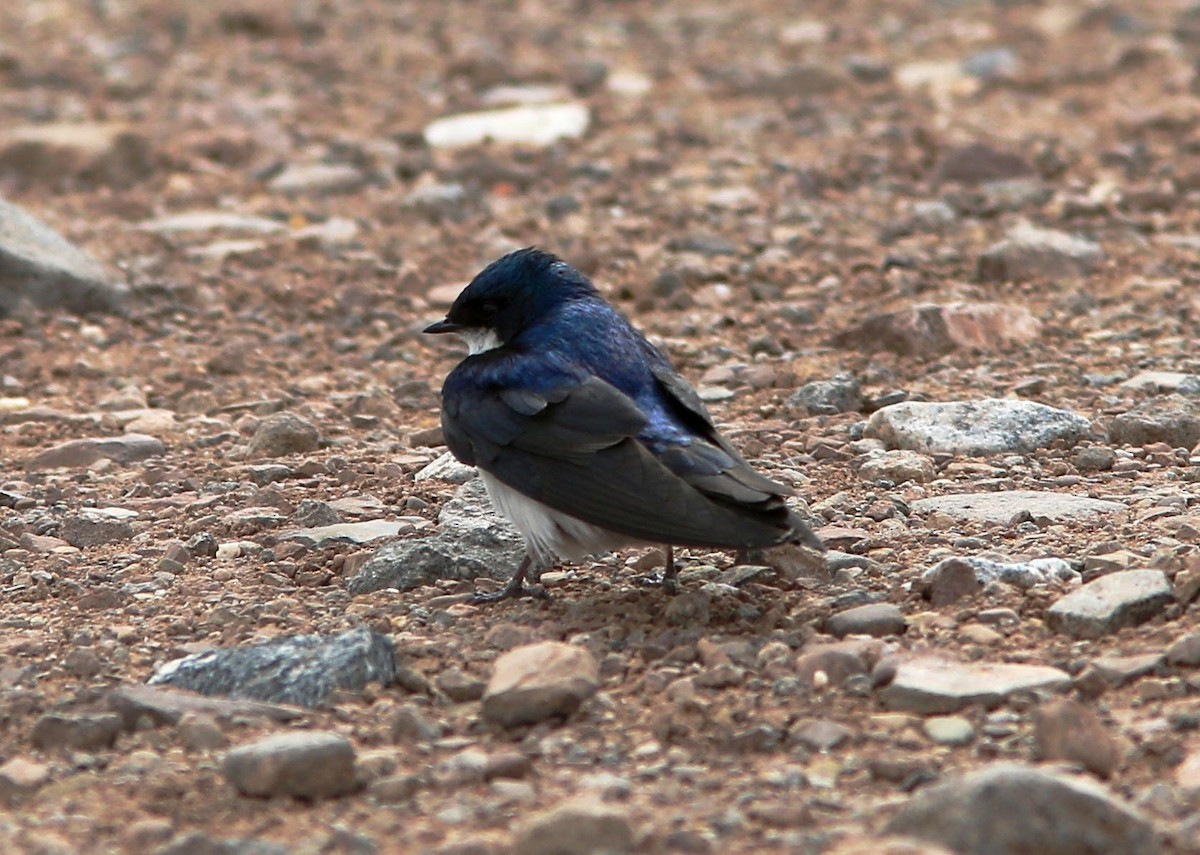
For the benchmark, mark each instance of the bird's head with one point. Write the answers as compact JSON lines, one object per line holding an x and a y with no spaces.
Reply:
{"x":510,"y":295}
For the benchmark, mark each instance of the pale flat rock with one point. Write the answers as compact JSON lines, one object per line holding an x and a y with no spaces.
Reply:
{"x":164,"y":705}
{"x":1000,"y":508}
{"x":1029,"y":252}
{"x":359,"y":532}
{"x":976,"y":814}
{"x":318,"y":179}
{"x":988,"y":426}
{"x":1107,"y":604}
{"x":96,"y":152}
{"x":1164,"y":381}
{"x":939,"y":686}
{"x":539,"y":681}
{"x":212,"y":221}
{"x":308,"y":765}
{"x":934,"y":329}
{"x":446,"y":468}
{"x":536,"y":124}
{"x":585,"y":826}
{"x":39,"y":265}
{"x":79,"y":453}
{"x":898,"y":466}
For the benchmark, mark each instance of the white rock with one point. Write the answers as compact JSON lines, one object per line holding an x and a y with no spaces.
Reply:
{"x":988,"y":426}
{"x":540,"y":124}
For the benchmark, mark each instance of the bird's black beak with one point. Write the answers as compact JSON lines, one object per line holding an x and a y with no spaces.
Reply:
{"x":443,"y":327}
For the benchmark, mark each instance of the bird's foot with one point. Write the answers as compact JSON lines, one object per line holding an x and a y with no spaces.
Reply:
{"x":669,"y":583}
{"x":515,"y":588}
{"x":509,"y":592}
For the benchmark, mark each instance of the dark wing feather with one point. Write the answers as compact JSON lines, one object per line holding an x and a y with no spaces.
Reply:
{"x":578,"y":452}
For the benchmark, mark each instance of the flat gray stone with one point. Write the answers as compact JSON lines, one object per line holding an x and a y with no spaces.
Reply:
{"x":96,"y":526}
{"x":1157,"y":382}
{"x":1013,"y":809}
{"x":579,"y":827}
{"x":929,"y":686}
{"x":1173,"y":419}
{"x":472,"y":542}
{"x":76,"y":732}
{"x":1028,"y":252}
{"x":79,"y":453}
{"x":303,"y":670}
{"x":212,"y":221}
{"x":988,"y":426}
{"x":303,"y":765}
{"x":359,"y":532}
{"x":875,"y":619}
{"x":318,"y":179}
{"x":535,"y":124}
{"x":842,"y":394}
{"x":1105,"y":605}
{"x":39,"y":265}
{"x":1000,"y":508}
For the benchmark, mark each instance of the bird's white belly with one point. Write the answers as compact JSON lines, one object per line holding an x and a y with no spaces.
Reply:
{"x":549,"y":533}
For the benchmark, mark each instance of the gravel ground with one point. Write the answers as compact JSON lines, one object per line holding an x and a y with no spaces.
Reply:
{"x":934,"y":265}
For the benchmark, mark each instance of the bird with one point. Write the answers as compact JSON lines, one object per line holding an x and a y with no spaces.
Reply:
{"x":584,"y":435}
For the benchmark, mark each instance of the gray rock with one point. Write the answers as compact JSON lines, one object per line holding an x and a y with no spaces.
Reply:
{"x":1094,"y":458}
{"x":580,"y":827}
{"x":939,"y":686}
{"x":162,"y":705}
{"x":842,"y":394}
{"x":39,"y":265}
{"x":318,"y":179}
{"x":302,"y":670}
{"x":81,"y":732}
{"x":315,"y":514}
{"x":1172,"y":419}
{"x":932,"y":329}
{"x":875,"y":619}
{"x":898,"y":467}
{"x":1058,"y":815}
{"x":199,"y":843}
{"x":19,"y":777}
{"x":1185,"y":651}
{"x":472,"y":542}
{"x":359,"y":532}
{"x":1000,"y":508}
{"x":95,"y":526}
{"x":1157,"y":382}
{"x":949,"y":730}
{"x":282,"y":434}
{"x":212,"y":221}
{"x":446,"y":468}
{"x":439,"y":201}
{"x":534,"y":124}
{"x":1028,"y":252}
{"x":989,"y":426}
{"x":112,"y":153}
{"x":953,"y":578}
{"x":304,"y":765}
{"x":977,"y":163}
{"x":78,"y":453}
{"x":992,"y":64}
{"x":1066,"y":729}
{"x":539,"y":681}
{"x":1104,"y":605}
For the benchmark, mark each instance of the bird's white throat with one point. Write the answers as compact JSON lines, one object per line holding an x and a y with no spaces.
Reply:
{"x":480,"y":339}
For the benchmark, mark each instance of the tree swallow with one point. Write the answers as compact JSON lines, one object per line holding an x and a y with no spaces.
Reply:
{"x":584,"y":435}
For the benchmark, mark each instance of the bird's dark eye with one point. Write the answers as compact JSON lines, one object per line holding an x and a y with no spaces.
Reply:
{"x":488,"y":310}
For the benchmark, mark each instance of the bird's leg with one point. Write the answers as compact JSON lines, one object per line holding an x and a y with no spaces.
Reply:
{"x":516,"y":587}
{"x":670,"y":579}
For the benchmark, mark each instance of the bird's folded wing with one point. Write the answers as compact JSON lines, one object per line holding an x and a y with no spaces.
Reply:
{"x":576,"y":450}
